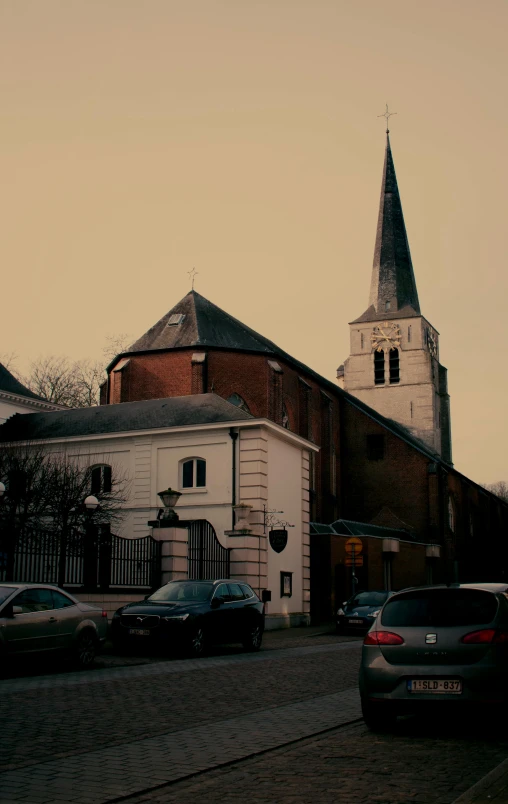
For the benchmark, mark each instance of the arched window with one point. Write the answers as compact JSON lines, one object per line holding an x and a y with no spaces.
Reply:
{"x":193,"y":473}
{"x":379,"y":367}
{"x":394,"y":365}
{"x":236,"y":399}
{"x":101,"y":479}
{"x":451,"y":515}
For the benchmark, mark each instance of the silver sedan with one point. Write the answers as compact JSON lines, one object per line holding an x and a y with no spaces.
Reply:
{"x":39,"y":618}
{"x":436,"y":647}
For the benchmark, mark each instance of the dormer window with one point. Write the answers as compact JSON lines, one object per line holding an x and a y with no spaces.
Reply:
{"x":175,"y":319}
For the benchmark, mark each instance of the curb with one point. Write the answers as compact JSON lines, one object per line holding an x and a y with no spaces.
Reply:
{"x":493,"y":787}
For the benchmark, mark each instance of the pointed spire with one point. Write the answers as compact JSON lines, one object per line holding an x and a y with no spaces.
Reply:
{"x":393,"y":285}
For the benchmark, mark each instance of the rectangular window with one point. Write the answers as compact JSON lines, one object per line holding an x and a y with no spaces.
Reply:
{"x":375,"y":447}
{"x":394,"y":366}
{"x":379,"y":368}
{"x":409,"y":334}
{"x":200,"y":473}
{"x":188,"y":475}
{"x":361,"y":340}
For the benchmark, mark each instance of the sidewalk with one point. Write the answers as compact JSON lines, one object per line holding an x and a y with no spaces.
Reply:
{"x":272,"y":640}
{"x":493,"y":787}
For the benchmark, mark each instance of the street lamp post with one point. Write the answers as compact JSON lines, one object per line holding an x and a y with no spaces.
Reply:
{"x":90,"y":505}
{"x":8,"y":543}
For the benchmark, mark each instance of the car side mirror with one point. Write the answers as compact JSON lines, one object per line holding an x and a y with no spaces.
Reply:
{"x":16,"y":610}
{"x":216,"y":602}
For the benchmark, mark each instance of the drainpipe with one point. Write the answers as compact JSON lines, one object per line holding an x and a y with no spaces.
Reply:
{"x":233,"y":435}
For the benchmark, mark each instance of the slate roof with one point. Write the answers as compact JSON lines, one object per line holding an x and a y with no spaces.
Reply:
{"x":220,"y":330}
{"x":11,"y":385}
{"x":393,"y":277}
{"x":150,"y":414}
{"x":204,"y":324}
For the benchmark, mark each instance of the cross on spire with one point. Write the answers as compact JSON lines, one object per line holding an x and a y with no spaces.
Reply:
{"x":192,"y":275}
{"x":387,"y":116}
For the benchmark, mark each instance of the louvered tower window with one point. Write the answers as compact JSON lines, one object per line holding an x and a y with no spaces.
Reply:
{"x":394,"y":365}
{"x":379,"y":368}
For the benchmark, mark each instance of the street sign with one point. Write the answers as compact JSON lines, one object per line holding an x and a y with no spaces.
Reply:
{"x":357,"y":561}
{"x":354,"y":545}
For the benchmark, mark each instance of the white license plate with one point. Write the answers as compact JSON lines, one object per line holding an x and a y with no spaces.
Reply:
{"x":442,"y":686}
{"x":355,"y":622}
{"x":139,"y":631}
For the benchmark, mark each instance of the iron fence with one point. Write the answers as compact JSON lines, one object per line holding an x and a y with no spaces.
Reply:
{"x":208,"y":559}
{"x":95,"y":558}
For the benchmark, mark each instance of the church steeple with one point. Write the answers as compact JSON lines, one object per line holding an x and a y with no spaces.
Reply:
{"x":393,"y":286}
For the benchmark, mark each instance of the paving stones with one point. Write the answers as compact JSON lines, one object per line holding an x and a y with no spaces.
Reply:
{"x":100,"y":776}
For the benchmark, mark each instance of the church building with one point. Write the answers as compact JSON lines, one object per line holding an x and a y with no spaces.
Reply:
{"x":383,"y":430}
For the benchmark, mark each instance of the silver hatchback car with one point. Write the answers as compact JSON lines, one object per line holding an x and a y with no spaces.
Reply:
{"x":39,"y":618}
{"x":435,"y":645}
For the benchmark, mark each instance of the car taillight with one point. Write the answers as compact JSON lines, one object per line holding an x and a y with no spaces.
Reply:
{"x":104,"y":613}
{"x":382,"y":638}
{"x":486,"y":636}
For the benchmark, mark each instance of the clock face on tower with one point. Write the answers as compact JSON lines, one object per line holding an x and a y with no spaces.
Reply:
{"x":385,"y":336}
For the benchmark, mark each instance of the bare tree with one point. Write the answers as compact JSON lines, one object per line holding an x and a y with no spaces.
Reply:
{"x":116,"y":344}
{"x":45,"y":492}
{"x":500,"y":489}
{"x":8,"y":360}
{"x":59,"y":380}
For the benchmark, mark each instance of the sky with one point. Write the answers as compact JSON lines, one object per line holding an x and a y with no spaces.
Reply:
{"x":242,"y":138}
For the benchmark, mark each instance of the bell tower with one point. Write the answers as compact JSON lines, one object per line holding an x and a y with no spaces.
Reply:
{"x":393,"y":364}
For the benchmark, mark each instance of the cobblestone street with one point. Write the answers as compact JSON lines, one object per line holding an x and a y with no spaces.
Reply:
{"x":283,"y":725}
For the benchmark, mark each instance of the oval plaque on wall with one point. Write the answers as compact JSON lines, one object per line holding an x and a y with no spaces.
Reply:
{"x":278,"y":540}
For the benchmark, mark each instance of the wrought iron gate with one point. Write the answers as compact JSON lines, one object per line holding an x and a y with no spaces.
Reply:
{"x":208,"y":559}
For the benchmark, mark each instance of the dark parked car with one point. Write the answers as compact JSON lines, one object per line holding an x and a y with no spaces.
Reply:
{"x":439,"y":646}
{"x":359,"y":612}
{"x":192,"y":615}
{"x":39,"y":618}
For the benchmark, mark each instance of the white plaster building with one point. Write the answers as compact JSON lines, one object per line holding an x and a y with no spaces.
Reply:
{"x":216,"y":455}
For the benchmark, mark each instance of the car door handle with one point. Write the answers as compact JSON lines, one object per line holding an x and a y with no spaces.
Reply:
{"x":52,"y":620}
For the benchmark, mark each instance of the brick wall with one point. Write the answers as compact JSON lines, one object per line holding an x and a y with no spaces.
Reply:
{"x":345,"y":482}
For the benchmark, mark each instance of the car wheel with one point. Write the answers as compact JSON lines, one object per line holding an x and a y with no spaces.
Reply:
{"x":378,"y":717}
{"x":197,"y":643}
{"x":252,"y":639}
{"x":85,"y":649}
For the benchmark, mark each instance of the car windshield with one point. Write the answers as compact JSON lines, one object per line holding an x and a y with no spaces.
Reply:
{"x":440,"y":607}
{"x":182,"y":591}
{"x":5,"y":591}
{"x":368,"y":599}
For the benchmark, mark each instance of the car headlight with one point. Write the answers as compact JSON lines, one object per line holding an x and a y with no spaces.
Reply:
{"x":340,"y":613}
{"x":180,"y":617}
{"x":374,"y":613}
